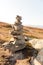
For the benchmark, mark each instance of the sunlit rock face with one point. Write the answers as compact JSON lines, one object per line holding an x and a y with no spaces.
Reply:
{"x":36,"y":43}
{"x":36,"y":62}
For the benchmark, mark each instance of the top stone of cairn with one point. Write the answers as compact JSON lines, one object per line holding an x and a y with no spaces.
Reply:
{"x":18,"y":19}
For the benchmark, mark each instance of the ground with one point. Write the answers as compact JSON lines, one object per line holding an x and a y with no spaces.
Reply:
{"x":34,"y":42}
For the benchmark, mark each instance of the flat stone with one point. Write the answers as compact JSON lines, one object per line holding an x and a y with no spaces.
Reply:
{"x":15,"y":47}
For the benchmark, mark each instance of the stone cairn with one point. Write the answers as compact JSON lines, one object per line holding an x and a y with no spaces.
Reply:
{"x":15,"y":46}
{"x":17,"y":33}
{"x":18,"y":43}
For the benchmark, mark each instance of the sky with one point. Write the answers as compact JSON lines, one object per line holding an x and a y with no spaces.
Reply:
{"x":30,"y":10}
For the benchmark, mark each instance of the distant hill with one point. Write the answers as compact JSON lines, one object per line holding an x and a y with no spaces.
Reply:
{"x":27,"y":31}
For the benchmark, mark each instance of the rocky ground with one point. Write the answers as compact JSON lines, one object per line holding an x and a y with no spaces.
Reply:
{"x":21,"y":57}
{"x":30,"y":55}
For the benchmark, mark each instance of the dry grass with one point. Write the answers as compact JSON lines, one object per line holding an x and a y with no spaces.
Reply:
{"x":27,"y":31}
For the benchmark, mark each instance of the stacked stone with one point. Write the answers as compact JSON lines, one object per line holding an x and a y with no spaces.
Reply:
{"x":18,"y":30}
{"x":18,"y":33}
{"x":18,"y":26}
{"x":18,"y":41}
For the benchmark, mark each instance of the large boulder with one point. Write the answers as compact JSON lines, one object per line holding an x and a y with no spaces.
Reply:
{"x":36,"y":43}
{"x":39,"y":59}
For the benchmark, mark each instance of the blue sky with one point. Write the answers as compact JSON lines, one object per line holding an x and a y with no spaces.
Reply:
{"x":30,"y":10}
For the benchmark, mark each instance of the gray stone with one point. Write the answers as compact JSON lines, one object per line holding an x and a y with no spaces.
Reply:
{"x":40,"y":57}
